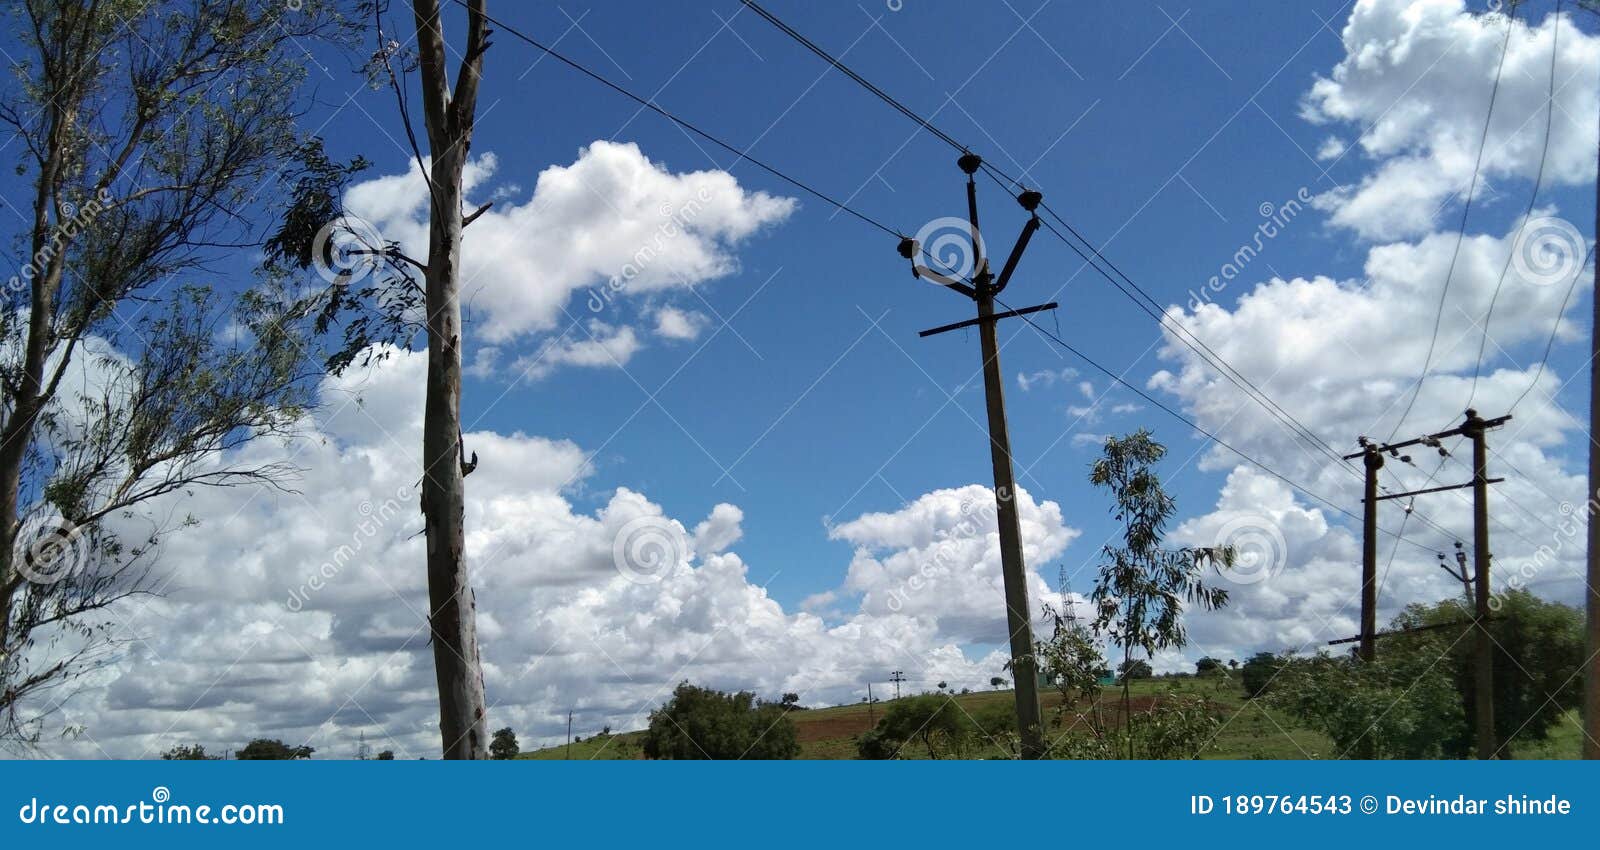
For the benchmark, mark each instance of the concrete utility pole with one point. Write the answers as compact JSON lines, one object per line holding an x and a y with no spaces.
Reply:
{"x":1483,"y":650}
{"x":983,"y":289}
{"x":1474,"y":428}
{"x":1372,"y":459}
{"x":897,"y":677}
{"x":569,"y":736}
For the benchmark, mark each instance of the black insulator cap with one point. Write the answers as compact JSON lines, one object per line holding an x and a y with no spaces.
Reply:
{"x":1030,"y":200}
{"x":908,"y":247}
{"x":970,"y":162}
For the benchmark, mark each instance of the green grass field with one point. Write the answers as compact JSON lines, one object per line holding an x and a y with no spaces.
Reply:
{"x":1249,"y":730}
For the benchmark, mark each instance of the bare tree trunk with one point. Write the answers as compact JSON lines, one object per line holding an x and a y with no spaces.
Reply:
{"x":452,"y":608}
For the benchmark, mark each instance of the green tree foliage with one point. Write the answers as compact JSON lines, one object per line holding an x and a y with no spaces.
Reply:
{"x":702,"y":723}
{"x":1136,"y":668}
{"x":1401,"y":706}
{"x":1209,"y":666}
{"x":192,"y":752}
{"x":504,"y":744}
{"x":933,"y":721}
{"x":1141,"y":587}
{"x":997,"y":682}
{"x":1176,"y":726}
{"x":874,"y":745}
{"x":1538,"y":649}
{"x":152,"y":136}
{"x":1071,"y":660}
{"x":385,"y":755}
{"x":1258,"y":672}
{"x":272,"y":749}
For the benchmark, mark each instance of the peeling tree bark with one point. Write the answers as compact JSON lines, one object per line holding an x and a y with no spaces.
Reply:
{"x":452,"y":609}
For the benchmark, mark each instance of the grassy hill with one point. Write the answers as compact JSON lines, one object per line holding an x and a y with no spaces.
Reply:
{"x":1250,"y":731}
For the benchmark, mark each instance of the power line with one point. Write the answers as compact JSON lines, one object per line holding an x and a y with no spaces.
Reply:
{"x":1533,"y":199}
{"x":664,"y":113}
{"x":745,"y":155}
{"x":1192,"y":424}
{"x":1555,"y":328}
{"x":829,"y":58}
{"x":1182,"y":334}
{"x":1461,"y":229}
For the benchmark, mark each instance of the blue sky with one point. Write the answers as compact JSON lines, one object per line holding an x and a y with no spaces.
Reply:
{"x":1158,"y":131}
{"x":808,"y":448}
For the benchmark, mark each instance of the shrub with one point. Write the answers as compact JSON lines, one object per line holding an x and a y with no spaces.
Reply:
{"x":702,"y":723}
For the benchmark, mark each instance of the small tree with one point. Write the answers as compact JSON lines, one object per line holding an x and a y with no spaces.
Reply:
{"x":1393,"y":707}
{"x":874,"y":745}
{"x":193,"y":752}
{"x":1141,"y":588}
{"x":504,"y":744}
{"x":386,"y":755}
{"x":1208,"y":666}
{"x":934,"y":720}
{"x":1538,"y":653}
{"x":1136,"y":668}
{"x":1258,"y":673}
{"x":702,"y":723}
{"x":1071,"y":659}
{"x":272,"y":749}
{"x":997,"y":682}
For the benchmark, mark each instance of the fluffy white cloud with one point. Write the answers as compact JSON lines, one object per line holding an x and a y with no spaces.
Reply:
{"x":672,"y":323}
{"x":1415,"y":82}
{"x":300,"y":615}
{"x":938,"y":558}
{"x":611,"y":226}
{"x":1343,"y":357}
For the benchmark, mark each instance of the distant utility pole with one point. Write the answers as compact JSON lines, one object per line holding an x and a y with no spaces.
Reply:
{"x":982,"y":290}
{"x":569,"y":736}
{"x":871,"y":721}
{"x":1475,"y":429}
{"x":897,"y":677}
